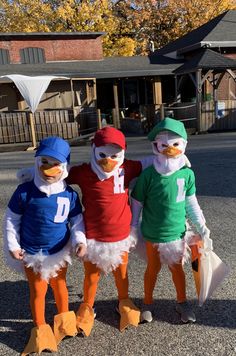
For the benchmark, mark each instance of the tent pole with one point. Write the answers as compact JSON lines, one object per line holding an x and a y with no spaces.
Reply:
{"x":199,"y":99}
{"x":116,"y":101}
{"x":32,"y":129}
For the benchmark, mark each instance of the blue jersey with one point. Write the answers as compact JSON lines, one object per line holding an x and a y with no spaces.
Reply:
{"x":45,"y":220}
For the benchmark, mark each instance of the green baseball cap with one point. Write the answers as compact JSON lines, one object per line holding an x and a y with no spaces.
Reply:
{"x":168,"y":124}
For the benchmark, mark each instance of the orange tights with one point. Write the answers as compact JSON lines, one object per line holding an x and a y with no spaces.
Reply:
{"x":92,"y":276}
{"x":38,"y":289}
{"x":152,"y":270}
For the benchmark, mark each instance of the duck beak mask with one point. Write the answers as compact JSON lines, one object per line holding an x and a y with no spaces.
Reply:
{"x":169,"y":150}
{"x":169,"y":145}
{"x":50,"y":170}
{"x":51,"y":165}
{"x":109,"y":157}
{"x":108,"y":152}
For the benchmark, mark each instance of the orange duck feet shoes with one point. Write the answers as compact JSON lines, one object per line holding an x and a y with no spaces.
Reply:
{"x":85,"y":319}
{"x":64,"y":325}
{"x":129,"y":314}
{"x":41,"y":338}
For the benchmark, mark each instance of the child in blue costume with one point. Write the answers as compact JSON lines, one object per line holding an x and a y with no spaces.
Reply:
{"x":165,"y":193}
{"x":43,"y":223}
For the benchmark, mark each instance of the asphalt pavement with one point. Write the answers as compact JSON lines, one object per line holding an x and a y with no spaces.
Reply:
{"x":213,"y":158}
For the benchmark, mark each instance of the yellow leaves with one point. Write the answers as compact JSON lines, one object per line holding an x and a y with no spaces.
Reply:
{"x":84,"y":15}
{"x":24,"y":16}
{"x":129,"y":24}
{"x":123,"y":46}
{"x":178,"y":17}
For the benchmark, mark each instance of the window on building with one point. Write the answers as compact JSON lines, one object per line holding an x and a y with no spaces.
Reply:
{"x":4,"y":56}
{"x":32,"y":55}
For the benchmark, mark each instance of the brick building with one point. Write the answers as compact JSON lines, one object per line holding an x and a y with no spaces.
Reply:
{"x":195,"y":72}
{"x":33,"y":48}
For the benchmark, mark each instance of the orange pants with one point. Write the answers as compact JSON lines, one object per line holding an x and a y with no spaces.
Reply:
{"x":92,"y":276}
{"x":152,"y":270}
{"x":38,"y":289}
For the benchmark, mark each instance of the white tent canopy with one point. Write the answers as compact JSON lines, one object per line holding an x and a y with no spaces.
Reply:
{"x":32,"y":88}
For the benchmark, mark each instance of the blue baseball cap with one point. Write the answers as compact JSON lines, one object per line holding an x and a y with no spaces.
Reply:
{"x":54,"y":147}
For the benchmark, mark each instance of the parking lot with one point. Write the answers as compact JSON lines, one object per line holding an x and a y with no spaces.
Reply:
{"x":213,"y":158}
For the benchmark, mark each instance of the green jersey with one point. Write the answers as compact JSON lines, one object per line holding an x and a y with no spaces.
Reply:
{"x":163,"y":199}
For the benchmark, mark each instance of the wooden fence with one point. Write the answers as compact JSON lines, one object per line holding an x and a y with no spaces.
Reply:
{"x":14,"y":126}
{"x":219,"y":116}
{"x":215,"y":116}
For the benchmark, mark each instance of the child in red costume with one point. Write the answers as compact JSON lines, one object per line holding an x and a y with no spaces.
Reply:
{"x":104,"y":184}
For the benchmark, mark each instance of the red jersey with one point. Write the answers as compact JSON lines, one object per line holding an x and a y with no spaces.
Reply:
{"x":107,"y":213}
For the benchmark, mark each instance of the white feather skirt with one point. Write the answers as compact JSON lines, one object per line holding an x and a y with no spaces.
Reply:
{"x":170,"y":252}
{"x":107,"y":256}
{"x":175,"y":251}
{"x":46,"y":265}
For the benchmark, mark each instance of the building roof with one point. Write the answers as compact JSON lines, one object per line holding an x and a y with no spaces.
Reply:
{"x":206,"y":59}
{"x":110,"y":67}
{"x":219,"y":32}
{"x":8,"y":36}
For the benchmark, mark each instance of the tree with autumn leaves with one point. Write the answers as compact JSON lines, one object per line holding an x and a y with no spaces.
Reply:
{"x":128,"y":26}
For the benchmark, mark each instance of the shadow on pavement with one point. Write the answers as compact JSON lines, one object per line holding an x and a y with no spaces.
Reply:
{"x":16,"y":322}
{"x":15,"y":316}
{"x":214,"y":313}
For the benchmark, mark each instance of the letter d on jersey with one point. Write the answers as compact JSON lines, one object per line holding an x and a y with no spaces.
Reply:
{"x":63,"y":207}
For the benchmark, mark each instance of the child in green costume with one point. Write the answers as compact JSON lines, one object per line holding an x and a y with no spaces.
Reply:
{"x":165,"y":193}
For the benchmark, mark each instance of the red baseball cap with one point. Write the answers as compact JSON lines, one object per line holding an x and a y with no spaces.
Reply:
{"x":109,"y":136}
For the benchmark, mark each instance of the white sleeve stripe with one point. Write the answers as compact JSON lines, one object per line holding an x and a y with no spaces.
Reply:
{"x":77,"y":230}
{"x":11,"y":230}
{"x":194,"y":212}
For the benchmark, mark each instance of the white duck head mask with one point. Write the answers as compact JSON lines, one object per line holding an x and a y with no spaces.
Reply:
{"x":169,"y":149}
{"x":106,"y":160}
